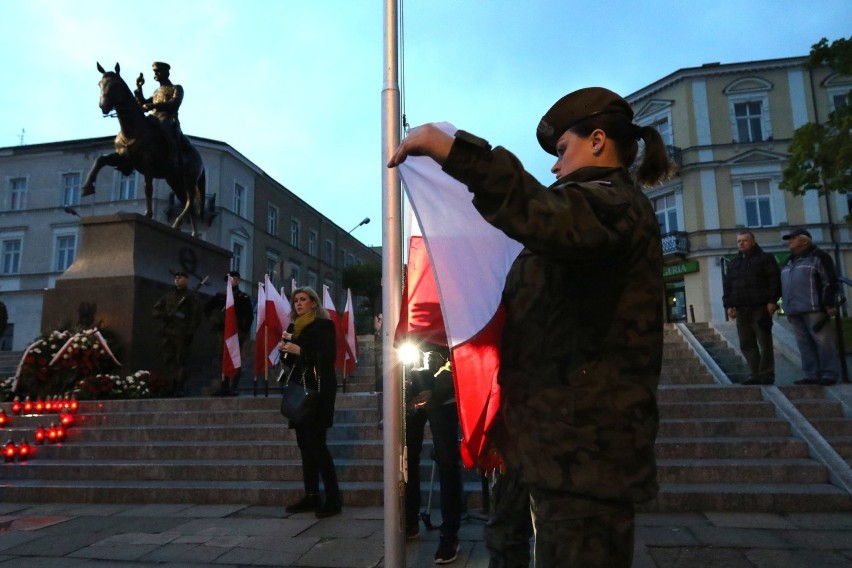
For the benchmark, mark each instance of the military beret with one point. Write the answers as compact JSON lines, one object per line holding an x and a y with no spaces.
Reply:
{"x":181,"y":273}
{"x":576,"y":107}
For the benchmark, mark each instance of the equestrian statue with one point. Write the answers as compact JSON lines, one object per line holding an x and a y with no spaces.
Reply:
{"x":152,"y":144}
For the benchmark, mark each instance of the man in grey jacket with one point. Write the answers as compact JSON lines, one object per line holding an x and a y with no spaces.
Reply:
{"x":809,"y":289}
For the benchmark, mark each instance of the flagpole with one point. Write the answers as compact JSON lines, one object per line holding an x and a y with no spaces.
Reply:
{"x":394,"y":483}
{"x":265,"y":361}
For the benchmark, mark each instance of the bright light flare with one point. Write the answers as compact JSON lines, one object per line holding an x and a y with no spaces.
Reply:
{"x":409,"y":354}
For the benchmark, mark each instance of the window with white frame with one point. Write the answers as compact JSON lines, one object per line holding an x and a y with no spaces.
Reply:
{"x":328,"y":255}
{"x":295,"y":230}
{"x":748,"y":100}
{"x":295,"y":270}
{"x":11,"y":251}
{"x":665,"y":207}
{"x":126,"y":189}
{"x":313,"y":279}
{"x":71,"y":189}
{"x":66,"y":251}
{"x":313,"y":237}
{"x":239,"y":199}
{"x":757,"y":194}
{"x":272,"y":217}
{"x":17,"y":193}
{"x":749,"y":117}
{"x":840,"y":97}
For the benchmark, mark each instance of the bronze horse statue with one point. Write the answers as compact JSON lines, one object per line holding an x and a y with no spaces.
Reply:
{"x":140,"y":146}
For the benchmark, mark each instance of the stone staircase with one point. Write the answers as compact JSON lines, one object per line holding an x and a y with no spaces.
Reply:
{"x":720,"y":448}
{"x":728,"y":358}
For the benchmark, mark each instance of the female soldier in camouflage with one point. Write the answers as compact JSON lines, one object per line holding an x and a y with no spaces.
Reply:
{"x":582,"y":344}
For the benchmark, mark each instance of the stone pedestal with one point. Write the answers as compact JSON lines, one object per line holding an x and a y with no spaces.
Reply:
{"x":124,"y":263}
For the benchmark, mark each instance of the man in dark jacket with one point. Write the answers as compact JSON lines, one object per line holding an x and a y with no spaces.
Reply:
{"x":751,"y":289}
{"x":809,"y":287}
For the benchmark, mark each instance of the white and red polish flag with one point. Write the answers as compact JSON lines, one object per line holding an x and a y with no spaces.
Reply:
{"x":340,"y":340}
{"x":273,"y":317}
{"x":470,"y":260}
{"x":231,"y":360}
{"x":260,"y":366}
{"x":350,"y":356}
{"x":277,"y":320}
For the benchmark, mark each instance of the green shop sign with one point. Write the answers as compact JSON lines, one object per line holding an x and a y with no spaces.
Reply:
{"x":682,"y":268}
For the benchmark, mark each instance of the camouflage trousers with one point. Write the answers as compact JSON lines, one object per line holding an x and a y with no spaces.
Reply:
{"x":569,"y":531}
{"x":509,"y":528}
{"x":575,"y":531}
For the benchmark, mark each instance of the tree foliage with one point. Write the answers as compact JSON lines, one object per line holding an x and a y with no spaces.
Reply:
{"x":821,"y":154}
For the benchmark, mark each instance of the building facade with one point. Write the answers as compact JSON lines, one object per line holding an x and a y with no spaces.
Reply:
{"x":728,"y":128}
{"x":267,"y":228}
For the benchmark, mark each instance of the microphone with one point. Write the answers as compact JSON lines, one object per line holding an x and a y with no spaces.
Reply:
{"x":289,"y":330}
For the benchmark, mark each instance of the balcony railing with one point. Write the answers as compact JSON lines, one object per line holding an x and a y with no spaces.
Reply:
{"x":676,"y":242}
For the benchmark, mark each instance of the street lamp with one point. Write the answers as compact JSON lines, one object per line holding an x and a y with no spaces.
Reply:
{"x":363,"y":222}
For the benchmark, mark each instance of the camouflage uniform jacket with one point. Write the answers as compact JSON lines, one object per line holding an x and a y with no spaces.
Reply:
{"x":179,"y":311}
{"x":582,"y":344}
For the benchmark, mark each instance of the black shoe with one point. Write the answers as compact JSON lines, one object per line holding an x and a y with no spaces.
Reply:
{"x":448,"y":550}
{"x":806,"y":381}
{"x":826,"y":382}
{"x":307,"y":503}
{"x":330,"y":508}
{"x":412,"y":531}
{"x":759,"y":381}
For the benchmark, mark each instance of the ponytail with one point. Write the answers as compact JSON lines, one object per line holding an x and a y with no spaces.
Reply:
{"x":655,"y":166}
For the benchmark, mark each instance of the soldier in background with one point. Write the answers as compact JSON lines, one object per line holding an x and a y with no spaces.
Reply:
{"x":179,"y":312}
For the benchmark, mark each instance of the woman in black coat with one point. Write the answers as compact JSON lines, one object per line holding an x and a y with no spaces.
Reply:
{"x":310,"y":343}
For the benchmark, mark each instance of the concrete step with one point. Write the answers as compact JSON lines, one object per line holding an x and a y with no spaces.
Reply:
{"x":723,"y":428}
{"x":717,"y":410}
{"x":730,"y":448}
{"x":733,"y":497}
{"x":741,"y":471}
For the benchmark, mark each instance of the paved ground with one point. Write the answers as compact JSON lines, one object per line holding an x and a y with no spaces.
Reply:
{"x":83,"y":536}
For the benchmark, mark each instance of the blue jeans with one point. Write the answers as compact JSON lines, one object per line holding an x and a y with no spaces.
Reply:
{"x":817,"y":348}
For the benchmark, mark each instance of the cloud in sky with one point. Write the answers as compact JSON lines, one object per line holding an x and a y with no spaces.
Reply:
{"x":295,"y":85}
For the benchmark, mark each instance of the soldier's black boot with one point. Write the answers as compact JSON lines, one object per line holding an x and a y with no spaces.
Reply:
{"x":233,"y":390}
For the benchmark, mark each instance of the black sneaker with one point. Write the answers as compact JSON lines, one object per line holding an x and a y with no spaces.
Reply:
{"x":412,"y":531}
{"x":448,"y":550}
{"x":305,"y":504}
{"x":806,"y":381}
{"x":330,"y":508}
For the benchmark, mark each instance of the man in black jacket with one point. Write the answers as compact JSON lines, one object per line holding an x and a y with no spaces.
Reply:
{"x":751,"y":289}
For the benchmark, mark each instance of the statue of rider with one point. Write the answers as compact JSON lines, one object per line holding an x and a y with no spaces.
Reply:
{"x":164,"y":105}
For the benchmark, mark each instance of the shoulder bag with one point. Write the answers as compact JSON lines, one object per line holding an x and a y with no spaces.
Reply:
{"x":298,"y":400}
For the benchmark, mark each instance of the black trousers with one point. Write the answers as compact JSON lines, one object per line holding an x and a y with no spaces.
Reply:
{"x":754,"y":328}
{"x":317,"y":461}
{"x":444,"y":423}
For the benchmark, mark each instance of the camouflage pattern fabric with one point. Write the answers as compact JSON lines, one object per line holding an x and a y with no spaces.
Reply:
{"x":581,"y":533}
{"x":509,"y":528}
{"x":582,"y":346}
